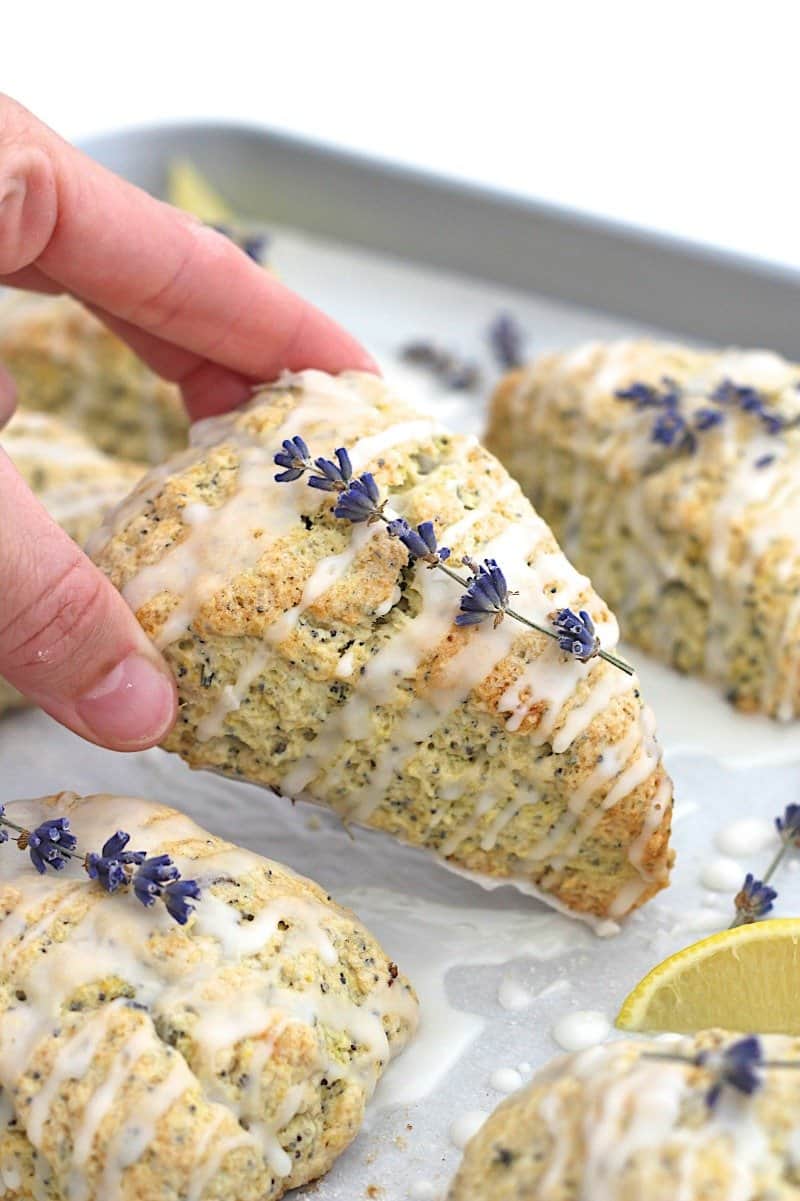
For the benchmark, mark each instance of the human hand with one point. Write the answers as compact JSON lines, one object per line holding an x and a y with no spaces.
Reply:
{"x":200,"y":313}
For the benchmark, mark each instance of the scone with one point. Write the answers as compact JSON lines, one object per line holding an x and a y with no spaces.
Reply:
{"x":672,"y":476}
{"x":314,"y":656}
{"x":140,"y":1060}
{"x":612,"y":1124}
{"x":75,"y":482}
{"x":65,"y":362}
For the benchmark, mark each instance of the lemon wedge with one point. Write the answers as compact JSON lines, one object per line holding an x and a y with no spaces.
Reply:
{"x":187,"y":189}
{"x":744,"y":979}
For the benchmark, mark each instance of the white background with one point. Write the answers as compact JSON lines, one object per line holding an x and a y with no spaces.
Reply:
{"x":680,"y":116}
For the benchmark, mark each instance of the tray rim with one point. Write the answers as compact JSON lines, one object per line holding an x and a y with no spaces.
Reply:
{"x":703,"y":291}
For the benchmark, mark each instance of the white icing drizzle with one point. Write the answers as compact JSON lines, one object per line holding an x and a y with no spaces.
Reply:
{"x":232,"y":537}
{"x":632,"y":1111}
{"x":757,"y":507}
{"x":115,"y":938}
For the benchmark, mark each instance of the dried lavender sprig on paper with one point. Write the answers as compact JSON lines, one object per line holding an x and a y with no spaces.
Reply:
{"x":755,"y":898}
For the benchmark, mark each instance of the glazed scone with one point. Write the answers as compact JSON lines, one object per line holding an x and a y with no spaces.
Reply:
{"x":611,"y":1125}
{"x":672,"y":476}
{"x":313,"y":657}
{"x":141,"y":1060}
{"x":75,"y":482}
{"x":67,"y":363}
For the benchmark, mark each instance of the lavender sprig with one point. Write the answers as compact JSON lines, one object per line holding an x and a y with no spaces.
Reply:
{"x":738,"y":1066}
{"x":506,"y":340}
{"x":454,"y":372}
{"x":52,"y":843}
{"x":755,"y":898}
{"x":486,"y":589}
{"x":673,"y":428}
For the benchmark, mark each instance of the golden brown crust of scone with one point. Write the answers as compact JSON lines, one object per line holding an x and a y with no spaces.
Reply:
{"x":694,"y":543}
{"x":229,"y":1057}
{"x":362,"y":693}
{"x":67,"y":363}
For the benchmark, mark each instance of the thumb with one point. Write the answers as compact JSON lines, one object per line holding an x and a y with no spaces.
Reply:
{"x":68,"y":641}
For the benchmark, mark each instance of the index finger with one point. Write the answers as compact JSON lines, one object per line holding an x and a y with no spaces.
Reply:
{"x":147,"y":264}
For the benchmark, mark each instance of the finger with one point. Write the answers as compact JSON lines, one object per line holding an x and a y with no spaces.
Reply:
{"x":143,"y":261}
{"x":67,"y":639}
{"x":8,"y":396}
{"x":208,"y":388}
{"x":32,"y":280}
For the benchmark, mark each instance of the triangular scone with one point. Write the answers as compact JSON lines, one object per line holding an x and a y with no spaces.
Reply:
{"x":313,"y":657}
{"x":75,"y":481}
{"x":625,"y":1122}
{"x":672,"y":476}
{"x":67,"y":363}
{"x":230,"y":1057}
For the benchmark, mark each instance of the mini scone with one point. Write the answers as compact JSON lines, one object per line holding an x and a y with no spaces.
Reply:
{"x":67,"y":363}
{"x":230,"y":1057}
{"x":74,"y":480}
{"x":672,"y":476}
{"x":613,"y":1124}
{"x":312,"y":656}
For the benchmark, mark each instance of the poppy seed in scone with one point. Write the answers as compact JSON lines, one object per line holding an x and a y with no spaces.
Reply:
{"x":317,"y":653}
{"x":710,"y":1116}
{"x":223,"y":1048}
{"x":671,"y":477}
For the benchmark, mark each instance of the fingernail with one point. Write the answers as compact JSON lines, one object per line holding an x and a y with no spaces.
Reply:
{"x":133,"y":706}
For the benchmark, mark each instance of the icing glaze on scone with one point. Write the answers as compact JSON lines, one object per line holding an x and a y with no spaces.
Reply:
{"x":611,"y":1125}
{"x":312,"y":656}
{"x":232,"y":1056}
{"x":696,"y":541}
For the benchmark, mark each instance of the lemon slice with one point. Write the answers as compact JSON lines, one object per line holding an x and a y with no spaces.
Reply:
{"x":191,"y":191}
{"x":744,"y":979}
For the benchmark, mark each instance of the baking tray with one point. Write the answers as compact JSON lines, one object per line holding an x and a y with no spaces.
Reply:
{"x":395,"y":255}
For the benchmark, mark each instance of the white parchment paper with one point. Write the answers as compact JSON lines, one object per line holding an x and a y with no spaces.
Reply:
{"x":464,"y":948}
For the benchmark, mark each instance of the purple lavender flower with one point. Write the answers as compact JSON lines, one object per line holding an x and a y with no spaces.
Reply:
{"x":506,"y":340}
{"x":333,"y":477}
{"x":754,"y":900}
{"x":177,"y":898}
{"x":108,"y":868}
{"x":788,"y":825}
{"x":255,"y":247}
{"x":644,"y":396}
{"x":706,"y":419}
{"x":670,"y":427}
{"x":486,"y":596}
{"x":419,"y":542}
{"x":152,"y":876}
{"x":50,"y":845}
{"x":741,"y":395}
{"x":360,"y":501}
{"x":576,"y":633}
{"x":295,"y":458}
{"x":773,"y":422}
{"x":764,"y":461}
{"x":738,"y":1066}
{"x":3,"y":832}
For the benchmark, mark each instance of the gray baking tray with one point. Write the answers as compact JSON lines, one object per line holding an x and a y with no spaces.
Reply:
{"x":489,"y":234}
{"x":395,"y":255}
